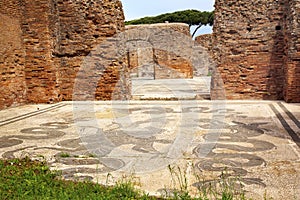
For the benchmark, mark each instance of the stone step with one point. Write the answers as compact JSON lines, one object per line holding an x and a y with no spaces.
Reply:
{"x":171,"y":98}
{"x":171,"y":89}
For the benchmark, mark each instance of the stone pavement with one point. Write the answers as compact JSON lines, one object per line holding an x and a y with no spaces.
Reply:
{"x":171,"y":89}
{"x":256,"y":142}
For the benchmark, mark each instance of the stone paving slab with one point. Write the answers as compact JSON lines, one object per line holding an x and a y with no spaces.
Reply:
{"x":256,"y":142}
{"x":197,"y":88}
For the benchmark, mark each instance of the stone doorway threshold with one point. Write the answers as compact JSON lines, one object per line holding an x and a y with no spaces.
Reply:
{"x":171,"y":89}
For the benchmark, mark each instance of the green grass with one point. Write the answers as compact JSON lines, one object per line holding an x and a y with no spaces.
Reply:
{"x":26,"y":179}
{"x":64,"y":155}
{"x":222,"y":189}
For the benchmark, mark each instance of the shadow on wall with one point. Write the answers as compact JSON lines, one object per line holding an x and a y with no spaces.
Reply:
{"x":275,"y":76}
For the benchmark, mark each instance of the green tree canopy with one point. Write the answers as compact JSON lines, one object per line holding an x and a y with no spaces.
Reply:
{"x":190,"y":17}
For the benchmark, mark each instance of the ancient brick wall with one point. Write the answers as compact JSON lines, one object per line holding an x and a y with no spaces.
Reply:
{"x":206,"y":54}
{"x":292,"y":52}
{"x":256,"y":44}
{"x":170,"y":66}
{"x":206,"y":41}
{"x":12,"y":55}
{"x":40,"y":70}
{"x":43,"y":45}
{"x":83,"y":25}
{"x":248,"y":42}
{"x":157,"y":59}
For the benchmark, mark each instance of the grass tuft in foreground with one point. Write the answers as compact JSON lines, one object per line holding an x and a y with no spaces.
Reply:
{"x":225,"y":188}
{"x":27,"y":179}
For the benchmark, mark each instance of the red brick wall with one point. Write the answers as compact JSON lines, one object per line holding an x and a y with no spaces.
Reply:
{"x":206,"y":41}
{"x":248,"y":42}
{"x":83,"y":25}
{"x":12,"y":61}
{"x":292,"y":52}
{"x":43,"y":44}
{"x":164,"y":63}
{"x":40,"y":69}
{"x":171,"y":66}
{"x":257,"y":47}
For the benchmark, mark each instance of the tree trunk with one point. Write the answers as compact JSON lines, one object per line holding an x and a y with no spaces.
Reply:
{"x":199,"y":26}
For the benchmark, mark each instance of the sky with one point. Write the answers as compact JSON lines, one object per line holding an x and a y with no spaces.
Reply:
{"x":135,"y":9}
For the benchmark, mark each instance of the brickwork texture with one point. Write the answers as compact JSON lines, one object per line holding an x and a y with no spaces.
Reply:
{"x":256,"y":44}
{"x":43,"y":44}
{"x":160,"y":61}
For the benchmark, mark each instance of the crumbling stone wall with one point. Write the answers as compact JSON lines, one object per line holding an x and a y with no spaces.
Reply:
{"x":43,"y":44}
{"x":206,"y":41}
{"x":83,"y":25}
{"x":157,"y":62}
{"x":257,"y":48}
{"x":170,"y":66}
{"x":248,"y":42}
{"x":12,"y":55}
{"x":292,"y":52}
{"x":40,"y":69}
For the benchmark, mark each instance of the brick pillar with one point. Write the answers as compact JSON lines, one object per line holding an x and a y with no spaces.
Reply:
{"x":292,"y":52}
{"x":40,"y":70}
{"x":248,"y":41}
